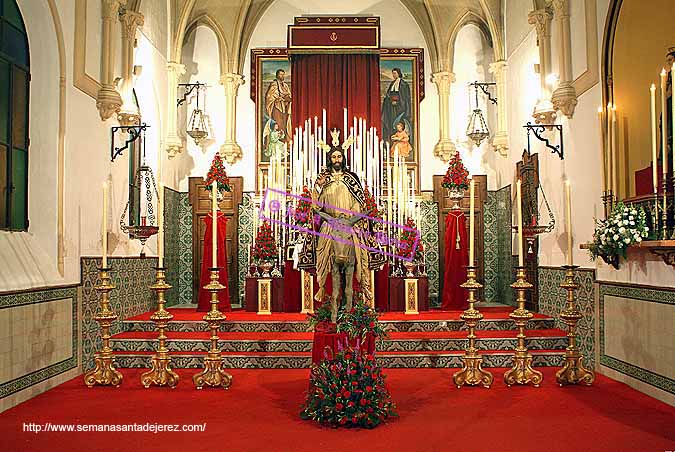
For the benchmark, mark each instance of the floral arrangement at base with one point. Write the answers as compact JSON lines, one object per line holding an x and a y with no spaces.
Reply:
{"x":407,"y":242}
{"x":457,"y":176}
{"x":360,"y":322}
{"x":217,"y":173}
{"x":625,"y":226}
{"x":370,"y":205}
{"x":265,"y":249}
{"x":348,"y":390}
{"x":320,"y":315}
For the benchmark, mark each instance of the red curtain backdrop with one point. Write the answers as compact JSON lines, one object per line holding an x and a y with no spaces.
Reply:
{"x":454,"y":297}
{"x":204,"y":299}
{"x":382,"y":289}
{"x":335,"y":82}
{"x":292,"y":284}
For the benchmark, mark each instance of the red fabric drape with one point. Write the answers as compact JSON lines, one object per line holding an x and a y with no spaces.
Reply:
{"x":292,"y":302}
{"x":204,"y":299}
{"x":335,"y":82}
{"x":382,"y":289}
{"x":454,"y":297}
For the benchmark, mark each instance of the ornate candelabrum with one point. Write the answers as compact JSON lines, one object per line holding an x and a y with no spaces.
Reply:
{"x":213,"y":374}
{"x":472,"y":372}
{"x":161,"y":373}
{"x":573,"y":371}
{"x":105,"y":373}
{"x":608,"y":202}
{"x":664,"y":210}
{"x":522,"y":371}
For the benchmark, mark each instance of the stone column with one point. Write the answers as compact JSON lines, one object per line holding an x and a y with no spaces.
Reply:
{"x":544,"y":113}
{"x":564,"y":98}
{"x":230,"y":150}
{"x":500,"y":140}
{"x":445,"y":148}
{"x":129,"y":114}
{"x":108,"y":100}
{"x":174,"y":144}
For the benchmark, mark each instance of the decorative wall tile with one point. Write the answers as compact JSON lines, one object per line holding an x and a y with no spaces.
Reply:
{"x":22,"y":300}
{"x":429,"y":237}
{"x":639,"y":294}
{"x":497,"y":246}
{"x":490,"y":253}
{"x":245,"y":232}
{"x":553,"y":299}
{"x":132,"y":278}
{"x":171,"y":243}
{"x":184,"y":249}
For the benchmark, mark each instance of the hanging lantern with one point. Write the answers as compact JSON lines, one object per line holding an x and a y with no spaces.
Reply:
{"x":477,"y":130}
{"x":197,"y":125}
{"x":142,"y":222}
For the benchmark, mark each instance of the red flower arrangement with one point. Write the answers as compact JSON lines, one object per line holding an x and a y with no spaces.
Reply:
{"x":407,"y":242}
{"x":217,"y":173}
{"x":370,"y":205}
{"x":303,"y":211}
{"x":348,"y":390}
{"x":457,"y":176}
{"x":265,"y":248}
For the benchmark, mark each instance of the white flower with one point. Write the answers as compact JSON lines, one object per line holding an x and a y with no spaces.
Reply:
{"x":616,"y":237}
{"x":632,"y":223}
{"x":622,"y":229}
{"x":631,"y":217}
{"x":638,"y":239}
{"x":626,"y":240}
{"x":625,"y":221}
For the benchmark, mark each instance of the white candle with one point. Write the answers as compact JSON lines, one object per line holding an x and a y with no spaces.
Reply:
{"x":664,"y":129}
{"x":603,"y":151}
{"x":214,"y":222}
{"x":104,"y":226}
{"x":471,"y":220}
{"x":568,"y":205}
{"x":608,"y":130}
{"x":672,"y":110}
{"x":344,"y":124}
{"x":652,"y":91}
{"x":615,"y":182}
{"x":519,"y":219}
{"x":160,"y":225}
{"x":323,"y":125}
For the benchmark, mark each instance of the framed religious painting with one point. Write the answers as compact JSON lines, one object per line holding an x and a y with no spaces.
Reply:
{"x":271,"y":93}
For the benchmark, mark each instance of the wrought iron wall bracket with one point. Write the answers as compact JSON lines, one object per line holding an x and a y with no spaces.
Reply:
{"x":484,"y":86}
{"x":538,"y":129}
{"x":134,"y":133}
{"x":189,"y":87}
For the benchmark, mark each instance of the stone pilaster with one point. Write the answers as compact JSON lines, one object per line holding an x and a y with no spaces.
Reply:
{"x":544,"y":113}
{"x":129,"y":114}
{"x":230,"y":150}
{"x":108,"y":100}
{"x":445,"y":148}
{"x":500,"y":140}
{"x":174,"y":144}
{"x":564,"y":98}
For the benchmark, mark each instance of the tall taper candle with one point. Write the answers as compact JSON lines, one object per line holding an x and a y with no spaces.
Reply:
{"x":104,"y":227}
{"x":214,"y":222}
{"x":664,"y":128}
{"x":652,"y":91}
{"x":160,"y":225}
{"x":603,"y":151}
{"x":519,"y":219}
{"x":568,"y":219}
{"x":471,"y":219}
{"x":672,"y":110}
{"x":615,"y":182}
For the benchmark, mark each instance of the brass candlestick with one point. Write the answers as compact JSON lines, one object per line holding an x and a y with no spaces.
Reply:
{"x":105,"y":373}
{"x":664,"y":210}
{"x":522,"y":372}
{"x":472,"y":373}
{"x":161,"y":373}
{"x":573,"y":371}
{"x":213,"y":373}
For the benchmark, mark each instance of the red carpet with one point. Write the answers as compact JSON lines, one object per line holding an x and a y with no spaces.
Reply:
{"x":260,"y":412}
{"x":184,"y":314}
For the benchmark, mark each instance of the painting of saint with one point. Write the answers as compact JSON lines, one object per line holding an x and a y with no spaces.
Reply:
{"x":276,"y":115}
{"x":398,"y":108}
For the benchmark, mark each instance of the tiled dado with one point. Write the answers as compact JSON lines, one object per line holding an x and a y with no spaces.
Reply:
{"x":640,"y":334}
{"x":38,"y":337}
{"x":245,"y":236}
{"x":429,"y":237}
{"x":497,"y":238}
{"x":132,"y":278}
{"x":172,"y":244}
{"x":553,"y":299}
{"x":184,"y":249}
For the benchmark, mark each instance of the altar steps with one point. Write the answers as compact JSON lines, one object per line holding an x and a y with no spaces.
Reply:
{"x":248,"y":340}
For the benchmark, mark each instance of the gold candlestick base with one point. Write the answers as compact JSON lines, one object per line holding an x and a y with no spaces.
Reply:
{"x":522,"y":372}
{"x":160,"y":373}
{"x":105,"y":373}
{"x":213,"y":374}
{"x":472,"y":372}
{"x":573,"y":371}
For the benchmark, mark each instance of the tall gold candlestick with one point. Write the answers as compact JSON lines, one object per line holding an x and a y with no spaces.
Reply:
{"x":160,"y":373}
{"x":105,"y":373}
{"x":522,"y":372}
{"x":573,"y":371}
{"x":472,"y":372}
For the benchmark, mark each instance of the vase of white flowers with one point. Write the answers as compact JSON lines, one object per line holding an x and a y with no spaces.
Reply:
{"x":625,"y":226}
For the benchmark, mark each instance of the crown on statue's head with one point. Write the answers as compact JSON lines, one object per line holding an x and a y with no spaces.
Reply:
{"x":335,"y":135}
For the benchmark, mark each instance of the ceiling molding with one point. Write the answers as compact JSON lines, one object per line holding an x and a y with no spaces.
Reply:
{"x":207,"y":21}
{"x":467,"y":18}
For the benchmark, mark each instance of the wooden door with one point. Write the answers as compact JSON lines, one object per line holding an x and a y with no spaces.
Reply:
{"x":201,"y":206}
{"x":444,"y":204}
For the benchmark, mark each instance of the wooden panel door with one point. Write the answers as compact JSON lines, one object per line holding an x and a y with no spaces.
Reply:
{"x":201,"y":206}
{"x":444,"y":204}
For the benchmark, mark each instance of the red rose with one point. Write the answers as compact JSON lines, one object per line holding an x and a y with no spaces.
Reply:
{"x":339,"y":406}
{"x":369,"y":410}
{"x":363,"y":402}
{"x":343,"y":420}
{"x":371,"y":325}
{"x":350,"y":404}
{"x":348,"y":356}
{"x":369,"y":388}
{"x":354,"y":383}
{"x":346,"y":394}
